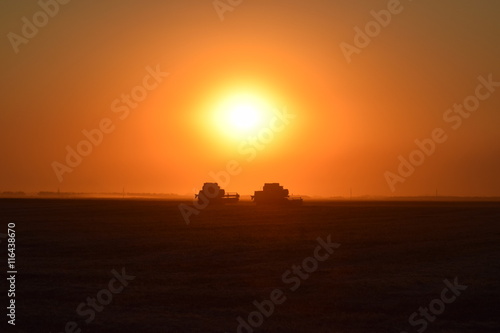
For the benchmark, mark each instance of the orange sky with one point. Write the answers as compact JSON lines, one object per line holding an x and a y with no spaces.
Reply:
{"x":352,"y":120}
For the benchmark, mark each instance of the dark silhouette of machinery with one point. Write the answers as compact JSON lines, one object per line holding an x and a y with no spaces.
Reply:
{"x":273,"y":193}
{"x":212,"y":193}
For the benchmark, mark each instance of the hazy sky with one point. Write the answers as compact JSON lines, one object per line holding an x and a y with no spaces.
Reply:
{"x":356,"y":103}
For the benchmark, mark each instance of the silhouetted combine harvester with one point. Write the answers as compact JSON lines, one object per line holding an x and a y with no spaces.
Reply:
{"x":212,"y":193}
{"x":274,"y":194}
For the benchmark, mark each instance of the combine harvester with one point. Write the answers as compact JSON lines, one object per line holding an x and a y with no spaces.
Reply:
{"x":274,"y":194}
{"x":215,"y":195}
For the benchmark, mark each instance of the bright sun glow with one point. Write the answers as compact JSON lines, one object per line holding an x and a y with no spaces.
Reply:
{"x":244,"y":116}
{"x":241,"y":114}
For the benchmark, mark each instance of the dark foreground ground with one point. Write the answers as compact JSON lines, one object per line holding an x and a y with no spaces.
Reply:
{"x":392,"y":260}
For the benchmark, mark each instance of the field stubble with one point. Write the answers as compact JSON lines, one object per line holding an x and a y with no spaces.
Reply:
{"x":200,"y":277}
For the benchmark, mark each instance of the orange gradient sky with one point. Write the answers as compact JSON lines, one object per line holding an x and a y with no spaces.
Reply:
{"x":351,"y":120}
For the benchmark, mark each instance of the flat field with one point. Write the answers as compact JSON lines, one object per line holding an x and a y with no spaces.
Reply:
{"x":392,"y":259}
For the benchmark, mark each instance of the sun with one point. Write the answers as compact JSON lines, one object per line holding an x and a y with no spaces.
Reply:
{"x":241,"y":114}
{"x":244,"y":116}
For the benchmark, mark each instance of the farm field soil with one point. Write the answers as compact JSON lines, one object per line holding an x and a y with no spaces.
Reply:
{"x":392,"y":259}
